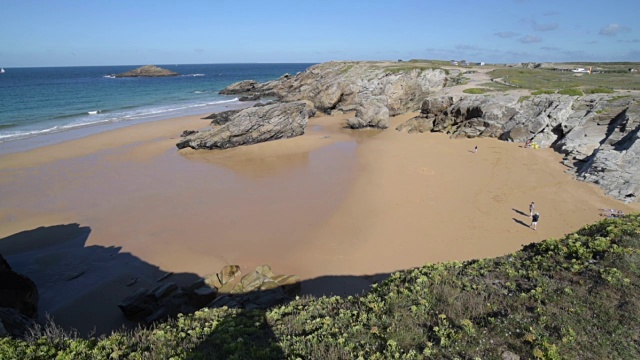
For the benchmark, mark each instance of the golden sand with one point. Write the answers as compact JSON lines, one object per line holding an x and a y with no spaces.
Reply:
{"x":333,"y":202}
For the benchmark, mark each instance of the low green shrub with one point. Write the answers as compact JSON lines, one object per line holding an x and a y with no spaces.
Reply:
{"x":571,"y":92}
{"x":599,"y":90}
{"x":543,"y":91}
{"x":475,"y":91}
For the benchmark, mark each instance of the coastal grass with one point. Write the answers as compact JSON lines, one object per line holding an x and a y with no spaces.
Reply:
{"x":476,"y":91}
{"x":571,"y":92}
{"x":575,"y":297}
{"x":554,"y":79}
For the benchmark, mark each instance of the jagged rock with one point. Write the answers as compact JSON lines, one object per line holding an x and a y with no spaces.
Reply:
{"x":372,"y":113}
{"x":340,"y":86}
{"x":138,"y":305}
{"x":254,"y":125}
{"x":254,"y":97}
{"x":188,"y":132}
{"x":241,"y":87}
{"x":228,"y":273}
{"x":165,"y":290}
{"x":202,"y":296}
{"x":148,"y":71}
{"x":221,"y":118}
{"x":596,"y":133}
{"x":14,"y":324}
{"x":17,"y":291}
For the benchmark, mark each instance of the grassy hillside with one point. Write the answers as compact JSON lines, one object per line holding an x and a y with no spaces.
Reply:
{"x":576,"y":297}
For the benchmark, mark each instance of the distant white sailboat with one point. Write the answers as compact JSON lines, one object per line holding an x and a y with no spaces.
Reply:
{"x":1,"y":70}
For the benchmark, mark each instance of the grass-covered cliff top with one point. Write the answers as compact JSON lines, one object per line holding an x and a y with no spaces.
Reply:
{"x":576,"y":297}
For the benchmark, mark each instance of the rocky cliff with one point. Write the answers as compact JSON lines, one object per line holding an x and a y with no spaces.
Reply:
{"x":598,"y":134}
{"x":374,"y":90}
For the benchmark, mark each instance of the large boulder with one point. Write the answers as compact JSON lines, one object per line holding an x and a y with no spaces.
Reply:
{"x":147,"y":71}
{"x":373,"y":113}
{"x":254,"y":125}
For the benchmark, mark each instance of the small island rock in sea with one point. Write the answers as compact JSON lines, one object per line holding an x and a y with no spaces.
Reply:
{"x":148,"y":71}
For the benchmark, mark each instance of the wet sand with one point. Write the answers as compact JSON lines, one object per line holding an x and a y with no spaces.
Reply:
{"x":333,"y":202}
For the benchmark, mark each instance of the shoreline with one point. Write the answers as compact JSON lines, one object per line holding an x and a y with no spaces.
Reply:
{"x":332,"y":202}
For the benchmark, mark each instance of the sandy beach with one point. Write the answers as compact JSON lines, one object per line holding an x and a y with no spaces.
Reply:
{"x":85,"y":217}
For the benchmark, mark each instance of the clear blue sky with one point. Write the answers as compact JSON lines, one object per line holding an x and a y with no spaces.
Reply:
{"x":132,"y":32}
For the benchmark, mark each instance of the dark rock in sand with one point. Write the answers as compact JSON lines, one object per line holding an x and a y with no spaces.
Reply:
{"x":148,"y":71}
{"x":188,"y":132}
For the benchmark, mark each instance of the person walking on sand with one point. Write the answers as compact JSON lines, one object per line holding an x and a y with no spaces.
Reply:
{"x":475,"y":149}
{"x":531,"y":207}
{"x":534,"y":220}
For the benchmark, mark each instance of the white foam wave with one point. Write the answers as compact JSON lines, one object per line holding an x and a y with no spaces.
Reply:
{"x":93,"y":112}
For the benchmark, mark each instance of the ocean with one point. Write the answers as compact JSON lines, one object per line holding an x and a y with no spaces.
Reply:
{"x":36,"y":103}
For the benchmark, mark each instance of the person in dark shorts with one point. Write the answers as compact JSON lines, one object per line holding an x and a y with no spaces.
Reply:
{"x":531,"y":207}
{"x":534,"y":220}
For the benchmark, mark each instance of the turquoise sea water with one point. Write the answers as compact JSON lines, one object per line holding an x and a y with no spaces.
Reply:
{"x":35,"y":102}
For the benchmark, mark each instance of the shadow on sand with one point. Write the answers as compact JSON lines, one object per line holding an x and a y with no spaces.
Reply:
{"x":521,"y":222}
{"x":520,"y":212}
{"x":80,"y":286}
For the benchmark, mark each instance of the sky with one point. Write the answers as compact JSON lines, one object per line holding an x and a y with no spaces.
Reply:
{"x":138,"y":32}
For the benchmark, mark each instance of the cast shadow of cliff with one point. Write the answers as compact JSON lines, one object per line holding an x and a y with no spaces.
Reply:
{"x":80,"y":285}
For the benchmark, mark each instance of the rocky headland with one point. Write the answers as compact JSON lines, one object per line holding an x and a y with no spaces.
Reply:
{"x":596,"y":133}
{"x":148,"y":71}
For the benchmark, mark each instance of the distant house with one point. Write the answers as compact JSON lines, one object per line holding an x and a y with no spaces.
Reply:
{"x":580,"y":70}
{"x":633,"y":70}
{"x":453,"y":62}
{"x":480,"y":63}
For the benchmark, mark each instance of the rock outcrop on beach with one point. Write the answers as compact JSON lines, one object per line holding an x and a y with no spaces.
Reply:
{"x":18,"y":301}
{"x":365,"y":87}
{"x":254,"y":125}
{"x":598,"y":134}
{"x":147,"y":71}
{"x":221,"y":118}
{"x":259,"y":289}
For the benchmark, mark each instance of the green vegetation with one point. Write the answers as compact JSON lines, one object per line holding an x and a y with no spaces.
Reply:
{"x":571,"y":92}
{"x":599,"y":90}
{"x":407,"y":68}
{"x":611,"y":76}
{"x":476,"y":91}
{"x":543,"y":91}
{"x":573,"y":298}
{"x":523,"y":98}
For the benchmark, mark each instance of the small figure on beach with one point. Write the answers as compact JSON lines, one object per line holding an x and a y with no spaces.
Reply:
{"x":534,"y":220}
{"x":475,"y":149}
{"x":531,"y":207}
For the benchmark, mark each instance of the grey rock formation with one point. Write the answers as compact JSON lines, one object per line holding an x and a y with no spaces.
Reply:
{"x":596,"y":133}
{"x":259,"y":289}
{"x":254,"y":125}
{"x":347,"y":86}
{"x":147,"y":71}
{"x":372,"y":113}
{"x":221,"y":118}
{"x":242,"y":87}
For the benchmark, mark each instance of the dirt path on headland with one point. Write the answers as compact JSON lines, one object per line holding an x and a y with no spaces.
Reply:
{"x":331,"y":202}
